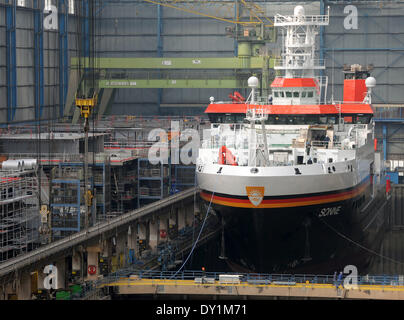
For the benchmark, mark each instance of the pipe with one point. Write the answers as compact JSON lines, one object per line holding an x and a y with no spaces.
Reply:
{"x":12,"y":165}
{"x":29,"y":164}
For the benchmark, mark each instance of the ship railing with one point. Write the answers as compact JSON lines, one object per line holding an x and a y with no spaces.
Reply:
{"x":319,"y":143}
{"x":271,"y":163}
{"x":326,"y":145}
{"x":154,"y":276}
{"x":360,"y":126}
{"x":55,"y":158}
{"x":258,"y":101}
{"x":243,"y":148}
{"x":283,"y":63}
{"x":281,"y":20}
{"x":48,"y":157}
{"x":338,"y":103}
{"x":125,"y":144}
{"x":215,"y":145}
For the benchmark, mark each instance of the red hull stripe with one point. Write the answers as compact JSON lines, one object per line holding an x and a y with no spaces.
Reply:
{"x":290,"y":202}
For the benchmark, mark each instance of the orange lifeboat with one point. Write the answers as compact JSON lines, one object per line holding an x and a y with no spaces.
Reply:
{"x":226,"y":157}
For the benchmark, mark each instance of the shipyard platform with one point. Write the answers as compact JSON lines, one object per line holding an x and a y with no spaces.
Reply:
{"x":197,"y":285}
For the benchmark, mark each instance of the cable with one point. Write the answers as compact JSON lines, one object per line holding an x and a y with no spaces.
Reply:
{"x":197,"y":239}
{"x":359,"y":245}
{"x":92,"y":55}
{"x":193,"y":230}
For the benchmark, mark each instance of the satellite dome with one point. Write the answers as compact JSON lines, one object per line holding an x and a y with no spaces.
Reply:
{"x":299,"y":11}
{"x":370,"y":82}
{"x":253,"y":82}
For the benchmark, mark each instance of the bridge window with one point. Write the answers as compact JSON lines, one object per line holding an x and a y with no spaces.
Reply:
{"x":229,"y":118}
{"x":331,"y":120}
{"x":240,"y":118}
{"x":276,"y":94}
{"x":281,"y":120}
{"x":289,"y":119}
{"x":216,"y":118}
{"x":288,"y":94}
{"x":310,"y":94}
{"x":304,"y":94}
{"x":348,"y":119}
{"x":296,"y":94}
{"x":363,"y":119}
{"x":311,"y":119}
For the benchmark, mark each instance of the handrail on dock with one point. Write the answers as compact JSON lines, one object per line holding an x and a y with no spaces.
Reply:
{"x":72,"y":240}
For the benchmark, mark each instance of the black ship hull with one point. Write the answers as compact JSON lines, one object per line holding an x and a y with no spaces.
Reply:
{"x":330,"y":235}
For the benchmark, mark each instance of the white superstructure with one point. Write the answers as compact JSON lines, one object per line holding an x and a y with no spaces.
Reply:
{"x":295,"y":146}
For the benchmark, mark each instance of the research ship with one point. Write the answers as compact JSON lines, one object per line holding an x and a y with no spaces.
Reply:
{"x":293,"y":175}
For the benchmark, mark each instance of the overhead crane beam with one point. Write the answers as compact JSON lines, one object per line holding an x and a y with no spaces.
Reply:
{"x":109,"y":80}
{"x":255,"y":10}
{"x":173,"y":78}
{"x":173,"y":83}
{"x":250,"y":35}
{"x":252,"y":7}
{"x":173,"y":63}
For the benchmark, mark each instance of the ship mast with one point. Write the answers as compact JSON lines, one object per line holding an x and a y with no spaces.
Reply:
{"x":298,"y":57}
{"x":254,"y":115}
{"x":299,"y":54}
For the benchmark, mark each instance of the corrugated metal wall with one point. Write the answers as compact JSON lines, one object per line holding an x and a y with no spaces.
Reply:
{"x":24,"y":20}
{"x":3,"y":80}
{"x":379,"y":40}
{"x":130,"y":30}
{"x":25,"y":66}
{"x":394,"y":139}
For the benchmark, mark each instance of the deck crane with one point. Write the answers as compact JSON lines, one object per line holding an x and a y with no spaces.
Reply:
{"x":255,"y":23}
{"x":256,"y":13}
{"x":251,"y":29}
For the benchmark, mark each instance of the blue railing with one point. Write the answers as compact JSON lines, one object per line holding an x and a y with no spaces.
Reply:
{"x":393,"y":280}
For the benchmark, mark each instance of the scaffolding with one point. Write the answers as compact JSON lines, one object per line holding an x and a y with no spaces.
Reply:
{"x":153,"y":181}
{"x":19,"y":213}
{"x":102,"y":187}
{"x":66,"y":201}
{"x":124,"y":188}
{"x":67,"y":195}
{"x":120,"y":176}
{"x":184,"y":177}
